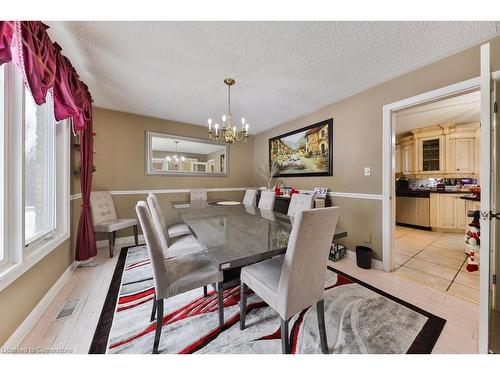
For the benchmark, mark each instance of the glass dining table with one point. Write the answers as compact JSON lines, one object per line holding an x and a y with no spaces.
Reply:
{"x":238,"y":235}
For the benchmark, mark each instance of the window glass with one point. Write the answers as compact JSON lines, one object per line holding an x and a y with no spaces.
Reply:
{"x":39,"y":162}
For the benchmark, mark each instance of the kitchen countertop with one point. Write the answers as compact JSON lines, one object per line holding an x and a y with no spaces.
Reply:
{"x":425,"y":193}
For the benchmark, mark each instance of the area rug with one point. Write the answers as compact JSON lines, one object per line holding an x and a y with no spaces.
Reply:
{"x":359,"y":319}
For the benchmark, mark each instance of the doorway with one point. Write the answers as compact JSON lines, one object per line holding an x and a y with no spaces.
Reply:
{"x":437,"y":183}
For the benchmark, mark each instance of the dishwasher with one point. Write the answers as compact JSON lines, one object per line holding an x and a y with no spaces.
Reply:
{"x":413,"y":211}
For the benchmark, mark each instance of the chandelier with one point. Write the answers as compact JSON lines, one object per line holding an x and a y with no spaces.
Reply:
{"x":228,"y":132}
{"x":175,"y":159}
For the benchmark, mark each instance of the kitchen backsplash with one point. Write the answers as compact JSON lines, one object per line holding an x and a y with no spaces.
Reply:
{"x":430,"y":183}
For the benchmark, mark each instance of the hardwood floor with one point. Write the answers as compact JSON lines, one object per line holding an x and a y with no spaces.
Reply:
{"x":90,"y":285}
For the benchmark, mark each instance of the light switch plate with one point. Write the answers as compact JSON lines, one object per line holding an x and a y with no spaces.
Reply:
{"x":367,"y":171}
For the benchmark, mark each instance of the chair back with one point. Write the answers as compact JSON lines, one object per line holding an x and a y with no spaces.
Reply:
{"x":102,"y":207}
{"x":266,"y":201}
{"x":250,"y":197}
{"x":302,"y":279}
{"x":198,"y":195}
{"x":300,"y":202}
{"x":158,"y":220}
{"x":154,"y":248}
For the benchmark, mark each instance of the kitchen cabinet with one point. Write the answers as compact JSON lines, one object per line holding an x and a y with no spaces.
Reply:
{"x":399,"y":160}
{"x":447,"y":211}
{"x":407,"y":154}
{"x":430,"y":155}
{"x":446,"y":150}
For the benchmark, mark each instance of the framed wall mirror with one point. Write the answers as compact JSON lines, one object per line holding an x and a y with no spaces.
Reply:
{"x":175,"y":155}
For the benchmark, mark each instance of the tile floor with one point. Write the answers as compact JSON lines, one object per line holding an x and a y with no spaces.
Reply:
{"x":437,"y":260}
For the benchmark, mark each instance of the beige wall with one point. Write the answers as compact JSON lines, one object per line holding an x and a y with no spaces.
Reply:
{"x":357,"y":140}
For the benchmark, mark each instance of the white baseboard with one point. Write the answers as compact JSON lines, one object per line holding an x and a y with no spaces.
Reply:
{"x":121,"y":241}
{"x":377,"y":264}
{"x":34,"y":316}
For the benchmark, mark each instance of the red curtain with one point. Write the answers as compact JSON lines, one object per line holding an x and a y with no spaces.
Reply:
{"x":85,"y":240}
{"x":6,"y":34}
{"x":39,"y":59}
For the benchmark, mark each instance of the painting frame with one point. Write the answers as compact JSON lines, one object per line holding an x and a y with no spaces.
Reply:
{"x":329,"y":168}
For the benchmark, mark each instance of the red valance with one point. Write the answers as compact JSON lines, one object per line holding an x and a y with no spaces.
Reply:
{"x":39,"y":59}
{"x":6,"y":34}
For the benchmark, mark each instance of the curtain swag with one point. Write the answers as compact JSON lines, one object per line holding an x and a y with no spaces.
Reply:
{"x":45,"y":68}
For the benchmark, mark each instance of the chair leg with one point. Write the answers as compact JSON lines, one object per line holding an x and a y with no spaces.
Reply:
{"x":153,"y":311}
{"x":220,"y":303}
{"x":243,"y":305}
{"x":320,"y":309}
{"x":205,"y":291}
{"x":285,"y":344}
{"x":159,"y":325}
{"x":111,"y":243}
{"x":136,"y":236}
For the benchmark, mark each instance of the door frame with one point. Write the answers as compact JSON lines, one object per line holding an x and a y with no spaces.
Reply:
{"x":389,"y":157}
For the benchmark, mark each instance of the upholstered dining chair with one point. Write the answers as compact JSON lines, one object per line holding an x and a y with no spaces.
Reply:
{"x":250,"y":197}
{"x":299,"y":202}
{"x":167,"y":234}
{"x":266,"y":201}
{"x":198,"y":195}
{"x":105,"y":220}
{"x":176,"y":275}
{"x":172,"y":246}
{"x":295,"y":280}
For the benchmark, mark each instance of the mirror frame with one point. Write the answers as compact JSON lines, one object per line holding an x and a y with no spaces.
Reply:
{"x":149,"y":157}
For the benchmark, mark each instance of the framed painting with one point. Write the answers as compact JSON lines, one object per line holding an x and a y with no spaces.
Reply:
{"x":304,"y":152}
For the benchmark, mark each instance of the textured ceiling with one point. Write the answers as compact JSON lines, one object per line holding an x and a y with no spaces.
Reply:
{"x":458,"y":110}
{"x":175,"y":70}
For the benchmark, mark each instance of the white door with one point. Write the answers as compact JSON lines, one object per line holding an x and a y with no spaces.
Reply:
{"x":494,"y":321}
{"x":489,"y":198}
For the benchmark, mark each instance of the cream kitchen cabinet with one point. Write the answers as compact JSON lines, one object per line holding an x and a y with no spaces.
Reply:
{"x":408,"y":161}
{"x":447,"y":212}
{"x":462,"y":154}
{"x":430,"y":155}
{"x":399,"y":159}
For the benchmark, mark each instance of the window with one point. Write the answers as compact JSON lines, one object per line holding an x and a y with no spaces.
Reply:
{"x":2,"y":163}
{"x":34,"y":177}
{"x":39,"y":162}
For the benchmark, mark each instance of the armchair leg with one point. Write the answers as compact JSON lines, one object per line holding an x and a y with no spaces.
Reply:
{"x":243,"y":305}
{"x":153,"y":311}
{"x":220,"y":303}
{"x":205,"y":291}
{"x":159,"y":325}
{"x":111,"y":243}
{"x":320,"y":309}
{"x":285,"y":342}
{"x":136,"y":236}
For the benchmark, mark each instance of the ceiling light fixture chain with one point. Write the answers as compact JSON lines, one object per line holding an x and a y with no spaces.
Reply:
{"x":228,"y":133}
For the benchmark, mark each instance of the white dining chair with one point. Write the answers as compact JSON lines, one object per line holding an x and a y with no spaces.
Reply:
{"x":172,"y":247}
{"x":266,"y":201}
{"x":169,"y":232}
{"x":105,"y":220}
{"x":198,"y":195}
{"x":296,"y":280}
{"x":250,"y":197}
{"x":177,"y":275}
{"x":300,"y":202}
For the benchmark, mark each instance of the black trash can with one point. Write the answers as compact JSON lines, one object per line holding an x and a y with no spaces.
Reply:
{"x":364,"y":257}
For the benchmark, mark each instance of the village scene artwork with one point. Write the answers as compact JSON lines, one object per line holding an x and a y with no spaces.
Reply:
{"x":303,"y":152}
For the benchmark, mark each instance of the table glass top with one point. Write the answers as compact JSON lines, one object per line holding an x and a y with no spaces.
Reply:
{"x":238,"y":235}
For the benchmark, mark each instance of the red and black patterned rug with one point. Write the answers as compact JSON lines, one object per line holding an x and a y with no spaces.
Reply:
{"x":359,"y":319}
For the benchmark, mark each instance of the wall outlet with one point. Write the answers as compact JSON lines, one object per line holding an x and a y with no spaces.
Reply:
{"x":367,"y":171}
